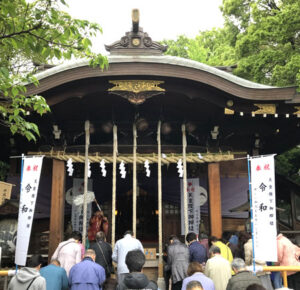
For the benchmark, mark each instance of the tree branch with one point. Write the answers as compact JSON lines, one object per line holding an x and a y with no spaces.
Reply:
{"x":22,"y":32}
{"x":53,"y":42}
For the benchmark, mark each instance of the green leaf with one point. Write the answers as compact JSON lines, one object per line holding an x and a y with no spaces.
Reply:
{"x":14,"y":91}
{"x":57,"y":53}
{"x":4,"y":71}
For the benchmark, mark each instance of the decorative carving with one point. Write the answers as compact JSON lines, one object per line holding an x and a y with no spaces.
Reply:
{"x":265,"y":109}
{"x":136,"y":91}
{"x":136,"y":86}
{"x":147,"y":41}
{"x":136,"y":41}
{"x":298,"y":111}
{"x":124,"y":41}
{"x":228,"y":111}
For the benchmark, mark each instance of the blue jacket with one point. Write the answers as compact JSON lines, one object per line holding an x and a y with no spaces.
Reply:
{"x":86,"y":275}
{"x":56,"y":277}
{"x":197,"y":253}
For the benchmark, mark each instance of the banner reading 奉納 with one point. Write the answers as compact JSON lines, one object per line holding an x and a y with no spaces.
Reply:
{"x":264,"y":208}
{"x":29,"y":188}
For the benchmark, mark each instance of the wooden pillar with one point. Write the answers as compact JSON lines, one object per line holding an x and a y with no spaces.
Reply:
{"x":56,"y":234}
{"x":215,"y":210}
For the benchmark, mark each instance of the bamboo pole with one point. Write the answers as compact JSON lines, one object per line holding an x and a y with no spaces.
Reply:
{"x":160,"y":257}
{"x":114,"y":183}
{"x":185,"y":199}
{"x":85,"y":188}
{"x":134,"y":181}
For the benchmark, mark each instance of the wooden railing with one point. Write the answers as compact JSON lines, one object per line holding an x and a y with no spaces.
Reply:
{"x":283,"y":270}
{"x":6,"y":274}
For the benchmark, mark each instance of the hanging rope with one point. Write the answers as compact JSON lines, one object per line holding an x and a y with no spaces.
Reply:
{"x":134,"y":180}
{"x":185,"y":199}
{"x":114,"y":183}
{"x":140,"y":158}
{"x":85,"y":188}
{"x":160,"y":259}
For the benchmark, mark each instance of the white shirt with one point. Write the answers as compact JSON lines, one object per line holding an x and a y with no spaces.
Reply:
{"x":122,"y":247}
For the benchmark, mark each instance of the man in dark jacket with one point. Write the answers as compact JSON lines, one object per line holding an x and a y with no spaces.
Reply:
{"x":103,"y":253}
{"x":197,"y":251}
{"x":242,"y":278}
{"x":87,"y":275}
{"x":135,"y":261}
{"x":178,"y":261}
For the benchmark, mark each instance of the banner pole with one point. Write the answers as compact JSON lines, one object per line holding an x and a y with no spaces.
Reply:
{"x":251,"y":212}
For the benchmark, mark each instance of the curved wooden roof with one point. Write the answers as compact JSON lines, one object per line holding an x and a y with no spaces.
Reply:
{"x":125,"y":66}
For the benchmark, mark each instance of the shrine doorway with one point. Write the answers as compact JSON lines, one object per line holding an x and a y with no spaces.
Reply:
{"x":147,"y":215}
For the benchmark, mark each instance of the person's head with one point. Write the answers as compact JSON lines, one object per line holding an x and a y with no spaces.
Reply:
{"x":135,"y":260}
{"x":55,"y":262}
{"x":226,"y":236}
{"x":194,"y":285}
{"x":243,"y":238}
{"x":100,"y":236}
{"x":36,"y":261}
{"x":99,"y":213}
{"x":128,"y":233}
{"x":190,"y":237}
{"x":238,"y":265}
{"x":76,"y":236}
{"x":90,"y":253}
{"x":202,"y":236}
{"x":214,"y":250}
{"x":172,"y":238}
{"x":193,"y":268}
{"x":212,"y":240}
{"x":255,"y":287}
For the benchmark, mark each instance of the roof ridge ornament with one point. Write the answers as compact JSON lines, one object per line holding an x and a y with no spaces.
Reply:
{"x":136,"y":42}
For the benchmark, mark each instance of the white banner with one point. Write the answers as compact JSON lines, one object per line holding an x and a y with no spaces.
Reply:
{"x":264,"y":208}
{"x":77,"y":211}
{"x":197,"y":196}
{"x":29,"y":188}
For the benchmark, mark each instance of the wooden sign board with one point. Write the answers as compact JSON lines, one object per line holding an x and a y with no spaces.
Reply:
{"x":5,"y":191}
{"x":150,"y":253}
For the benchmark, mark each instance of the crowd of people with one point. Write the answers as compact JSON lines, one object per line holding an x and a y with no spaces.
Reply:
{"x":201,"y":263}
{"x":227,"y":263}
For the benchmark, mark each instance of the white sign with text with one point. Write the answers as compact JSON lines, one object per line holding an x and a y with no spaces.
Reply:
{"x":264,"y":208}
{"x":197,"y":196}
{"x":29,"y":189}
